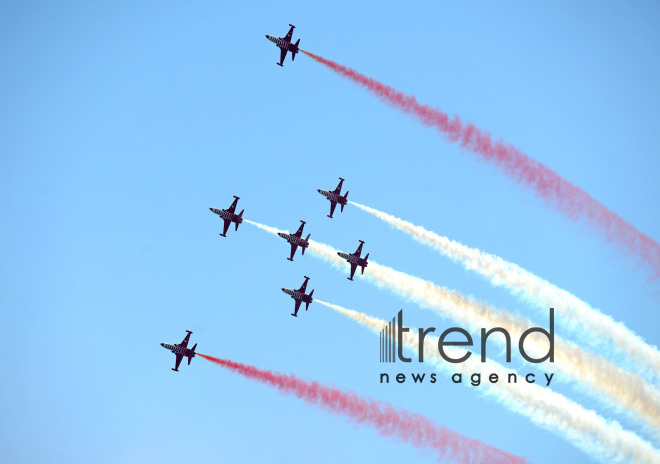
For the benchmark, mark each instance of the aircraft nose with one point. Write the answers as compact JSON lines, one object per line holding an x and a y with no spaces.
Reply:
{"x":162,"y":344}
{"x":210,"y":209}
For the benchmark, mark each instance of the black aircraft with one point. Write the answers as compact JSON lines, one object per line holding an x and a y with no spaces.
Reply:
{"x":181,"y":350}
{"x":335,"y":197}
{"x":354,"y":259}
{"x":300,"y":297}
{"x":296,"y":240}
{"x":229,"y":216}
{"x":285,"y":44}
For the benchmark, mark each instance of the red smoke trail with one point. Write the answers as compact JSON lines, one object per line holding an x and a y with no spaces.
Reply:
{"x":568,"y":199}
{"x":406,"y":426}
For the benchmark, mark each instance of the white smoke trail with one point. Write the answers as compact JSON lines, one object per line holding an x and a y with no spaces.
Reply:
{"x":606,"y":334}
{"x":624,"y":391}
{"x":603,"y":439}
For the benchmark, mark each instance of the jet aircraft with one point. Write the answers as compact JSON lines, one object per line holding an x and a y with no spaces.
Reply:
{"x":285,"y":45}
{"x":354,"y":259}
{"x":300,"y":297}
{"x":335,"y":197}
{"x":181,"y":350}
{"x":296,"y":240}
{"x":229,"y":216}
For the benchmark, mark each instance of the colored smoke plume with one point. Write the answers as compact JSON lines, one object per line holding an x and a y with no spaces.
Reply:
{"x":604,"y":439}
{"x":407,"y":427}
{"x":567,"y":198}
{"x":625,"y":391}
{"x":591,"y":326}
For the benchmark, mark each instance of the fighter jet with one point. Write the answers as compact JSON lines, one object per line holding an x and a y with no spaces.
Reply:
{"x":285,"y":45}
{"x":229,"y":216}
{"x":354,"y":260}
{"x":335,"y":197}
{"x":300,"y":297}
{"x":181,"y":350}
{"x":296,"y":240}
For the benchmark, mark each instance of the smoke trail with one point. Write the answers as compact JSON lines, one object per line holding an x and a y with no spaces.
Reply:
{"x":596,"y":436}
{"x":405,"y":426}
{"x":606,"y":332}
{"x":624,"y":391}
{"x":567,"y":198}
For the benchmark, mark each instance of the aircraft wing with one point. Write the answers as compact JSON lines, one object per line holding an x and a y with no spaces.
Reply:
{"x":358,"y":252}
{"x":333,"y":205}
{"x":282,"y":55}
{"x":303,"y":287}
{"x":184,"y":343}
{"x":232,"y":208}
{"x":293,"y":250}
{"x":338,"y":189}
{"x":227,"y":224}
{"x":353,"y":268}
{"x":179,"y":357}
{"x":300,"y":230}
{"x":295,"y":311}
{"x":288,"y":35}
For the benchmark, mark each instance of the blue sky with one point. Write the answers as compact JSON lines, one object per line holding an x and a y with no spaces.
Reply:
{"x":122,"y":123}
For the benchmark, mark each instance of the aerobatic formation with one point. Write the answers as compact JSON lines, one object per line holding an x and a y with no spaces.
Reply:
{"x":603,"y":439}
{"x":296,"y":240}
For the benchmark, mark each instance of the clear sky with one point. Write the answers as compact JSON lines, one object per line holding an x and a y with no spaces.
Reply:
{"x":121,"y":123}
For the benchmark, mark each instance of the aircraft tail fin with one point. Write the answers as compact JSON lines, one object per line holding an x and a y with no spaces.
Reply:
{"x":240,"y":215}
{"x":191,"y":356}
{"x":293,"y":54}
{"x":344,"y":203}
{"x":310,"y":294}
{"x":366,"y":257}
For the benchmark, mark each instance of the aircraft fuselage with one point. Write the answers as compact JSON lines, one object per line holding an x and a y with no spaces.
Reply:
{"x":296,"y":295}
{"x":294,"y":239}
{"x":283,"y":44}
{"x":224,"y":214}
{"x":178,"y":349}
{"x":353,"y":259}
{"x":332,"y":196}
